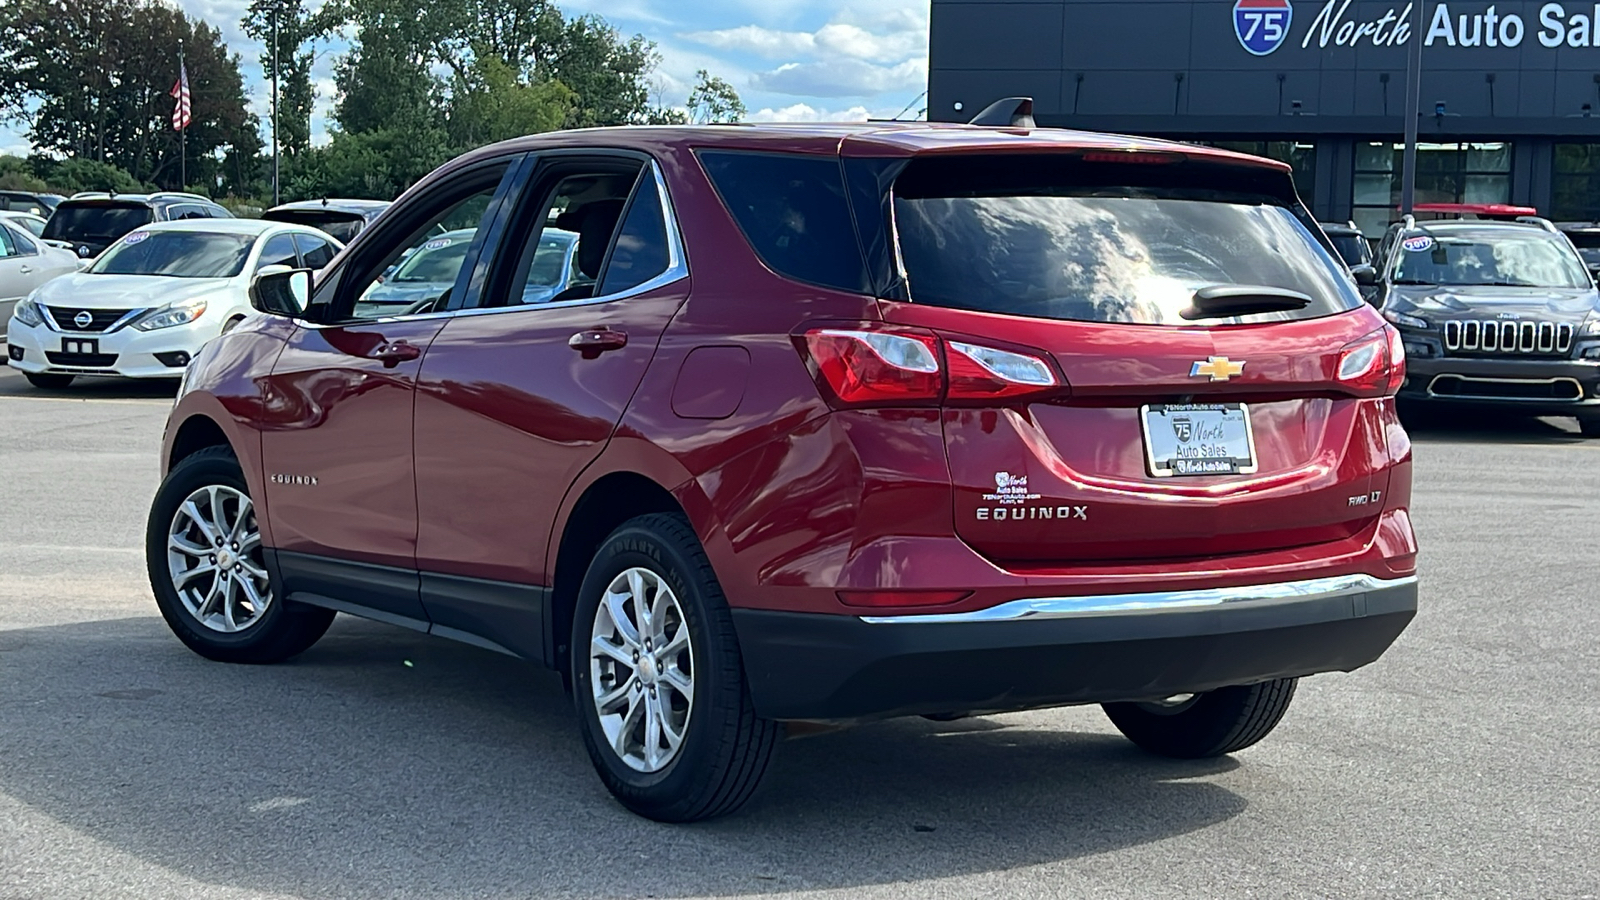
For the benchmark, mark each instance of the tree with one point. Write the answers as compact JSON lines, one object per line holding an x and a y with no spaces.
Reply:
{"x":714,"y":101}
{"x":287,"y":22}
{"x":91,"y":77}
{"x":496,"y":105}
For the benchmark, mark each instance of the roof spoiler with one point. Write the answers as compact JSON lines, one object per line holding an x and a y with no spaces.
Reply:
{"x":1012,"y":112}
{"x":1546,"y":224}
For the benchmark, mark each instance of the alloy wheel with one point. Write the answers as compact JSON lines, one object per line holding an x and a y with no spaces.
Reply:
{"x":641,"y":669}
{"x":215,"y":561}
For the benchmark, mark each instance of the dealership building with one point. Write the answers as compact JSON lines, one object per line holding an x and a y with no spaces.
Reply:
{"x":1510,"y":90}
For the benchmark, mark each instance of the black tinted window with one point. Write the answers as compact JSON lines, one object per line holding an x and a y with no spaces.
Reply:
{"x":279,"y":251}
{"x":1353,"y":248}
{"x":183,"y":254}
{"x":315,"y":251}
{"x":793,"y":211}
{"x":640,"y":251}
{"x":1010,"y":237}
{"x":343,"y":226}
{"x":97,"y":221}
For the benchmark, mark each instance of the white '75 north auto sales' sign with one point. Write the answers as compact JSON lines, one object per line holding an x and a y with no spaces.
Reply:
{"x":1263,"y":25}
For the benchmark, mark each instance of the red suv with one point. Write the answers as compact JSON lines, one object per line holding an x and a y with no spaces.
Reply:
{"x":829,"y":423}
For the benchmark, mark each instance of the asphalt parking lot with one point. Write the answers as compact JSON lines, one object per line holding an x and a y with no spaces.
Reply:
{"x":1466,"y":763}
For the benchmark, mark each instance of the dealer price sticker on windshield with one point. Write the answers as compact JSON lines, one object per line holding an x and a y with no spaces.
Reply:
{"x":1198,"y":439}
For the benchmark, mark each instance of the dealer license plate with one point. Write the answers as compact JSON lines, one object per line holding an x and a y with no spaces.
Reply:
{"x":88,"y":346}
{"x":1198,"y":439}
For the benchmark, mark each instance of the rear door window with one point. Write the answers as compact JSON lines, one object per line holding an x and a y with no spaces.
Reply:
{"x":279,"y":251}
{"x":793,"y":211}
{"x":639,"y":252}
{"x":101,"y":222}
{"x":1053,"y":239}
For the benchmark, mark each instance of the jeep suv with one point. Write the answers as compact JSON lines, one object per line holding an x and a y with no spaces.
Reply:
{"x":834,"y":423}
{"x":88,"y":223}
{"x":1498,"y":316}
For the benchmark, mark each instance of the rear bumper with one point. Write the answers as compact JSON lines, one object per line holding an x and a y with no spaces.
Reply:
{"x":1538,"y":386}
{"x":1065,"y":650}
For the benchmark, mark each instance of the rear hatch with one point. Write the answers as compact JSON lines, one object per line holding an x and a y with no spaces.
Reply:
{"x":341,"y":225}
{"x":90,"y":226}
{"x":1215,"y":378}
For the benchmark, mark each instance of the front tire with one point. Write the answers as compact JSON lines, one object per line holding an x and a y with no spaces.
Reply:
{"x":658,"y":681}
{"x":207,"y":568}
{"x":1589,"y":426}
{"x":49,"y":382}
{"x":1210,"y":724}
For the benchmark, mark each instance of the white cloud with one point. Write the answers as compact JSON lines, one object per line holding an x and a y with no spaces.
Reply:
{"x":804,"y":112}
{"x":888,"y":37}
{"x":843,"y":78}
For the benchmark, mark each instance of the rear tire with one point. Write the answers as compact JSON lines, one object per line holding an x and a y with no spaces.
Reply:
{"x":218,"y":598}
{"x":49,"y":382}
{"x":664,"y":753}
{"x":1211,"y":724}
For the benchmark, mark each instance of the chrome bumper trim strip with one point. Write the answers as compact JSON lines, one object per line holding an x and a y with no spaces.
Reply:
{"x":1122,"y":604}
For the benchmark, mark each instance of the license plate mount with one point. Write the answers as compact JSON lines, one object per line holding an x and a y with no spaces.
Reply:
{"x":1194,"y":439}
{"x":84,"y":346}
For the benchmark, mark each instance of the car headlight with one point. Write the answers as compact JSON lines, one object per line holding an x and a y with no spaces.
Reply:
{"x":171,"y":316}
{"x":1400,"y":318}
{"x":1591,"y":325}
{"x":28,"y":313}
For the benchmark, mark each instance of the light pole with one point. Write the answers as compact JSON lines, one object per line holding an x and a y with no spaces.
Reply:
{"x":1408,"y":164}
{"x":275,"y":199}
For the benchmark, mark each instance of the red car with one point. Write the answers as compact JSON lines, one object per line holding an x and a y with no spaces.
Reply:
{"x":832,"y":423}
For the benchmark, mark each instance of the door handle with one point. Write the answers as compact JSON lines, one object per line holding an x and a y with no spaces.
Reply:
{"x":394,"y":353}
{"x":596,"y":341}
{"x":26,"y":270}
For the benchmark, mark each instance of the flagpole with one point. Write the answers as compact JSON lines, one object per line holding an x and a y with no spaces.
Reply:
{"x":183,"y":136}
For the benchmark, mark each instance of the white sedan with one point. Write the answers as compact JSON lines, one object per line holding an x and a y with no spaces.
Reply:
{"x":149,"y":302}
{"x":25,"y":263}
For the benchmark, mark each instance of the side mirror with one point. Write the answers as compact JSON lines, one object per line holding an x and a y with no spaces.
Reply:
{"x":1365,"y":275}
{"x":286,"y":292}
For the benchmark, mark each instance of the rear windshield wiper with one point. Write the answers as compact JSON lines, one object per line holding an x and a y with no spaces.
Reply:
{"x":1221,"y":301}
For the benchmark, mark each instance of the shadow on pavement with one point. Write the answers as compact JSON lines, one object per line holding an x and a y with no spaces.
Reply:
{"x":1457,"y":426}
{"x":13,"y":384}
{"x":348,"y":772}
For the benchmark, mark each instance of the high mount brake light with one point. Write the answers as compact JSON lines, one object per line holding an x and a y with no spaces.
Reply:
{"x":911,"y":367}
{"x":1375,"y":365}
{"x":1135,"y":157}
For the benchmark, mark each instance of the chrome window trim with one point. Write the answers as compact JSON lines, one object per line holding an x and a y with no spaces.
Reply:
{"x":1038,"y":608}
{"x":677,"y":270}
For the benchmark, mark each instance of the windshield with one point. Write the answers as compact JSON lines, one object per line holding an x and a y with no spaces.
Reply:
{"x":180,"y":254}
{"x":343,"y":226}
{"x":549,"y":262}
{"x":439,"y":260}
{"x":1506,"y":258}
{"x":98,"y":221}
{"x":1132,"y":259}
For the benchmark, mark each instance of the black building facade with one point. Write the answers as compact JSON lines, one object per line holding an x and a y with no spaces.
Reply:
{"x":1510,"y":90}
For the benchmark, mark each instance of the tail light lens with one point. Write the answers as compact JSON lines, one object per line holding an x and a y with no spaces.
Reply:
{"x":902,"y":366}
{"x":866,"y":367}
{"x":1373,"y":366}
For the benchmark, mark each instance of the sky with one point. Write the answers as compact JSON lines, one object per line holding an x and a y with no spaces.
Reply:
{"x":790,"y":60}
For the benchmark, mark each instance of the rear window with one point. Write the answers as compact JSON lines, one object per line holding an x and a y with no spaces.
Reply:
{"x":1353,"y":248}
{"x":342,"y":226}
{"x":98,"y":221}
{"x":792,"y":210}
{"x":181,"y":254}
{"x":1058,"y":239}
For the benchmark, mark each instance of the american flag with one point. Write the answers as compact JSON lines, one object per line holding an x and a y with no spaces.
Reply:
{"x":181,"y":113}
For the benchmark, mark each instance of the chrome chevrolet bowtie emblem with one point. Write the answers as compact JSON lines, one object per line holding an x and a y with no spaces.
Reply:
{"x":1217,"y":368}
{"x":83,"y":319}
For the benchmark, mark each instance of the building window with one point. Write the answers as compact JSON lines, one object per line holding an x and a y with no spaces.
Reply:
{"x":1446,"y":173}
{"x":1575,"y":183}
{"x":1300,"y":156}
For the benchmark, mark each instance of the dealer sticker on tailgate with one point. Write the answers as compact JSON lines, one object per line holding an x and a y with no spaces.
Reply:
{"x":1198,"y":439}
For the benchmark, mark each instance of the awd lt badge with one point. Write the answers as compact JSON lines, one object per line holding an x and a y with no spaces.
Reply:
{"x":1217,"y":368}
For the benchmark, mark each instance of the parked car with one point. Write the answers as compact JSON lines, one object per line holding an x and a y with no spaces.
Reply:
{"x":344,"y":219}
{"x":30,"y":223}
{"x":91,"y":222}
{"x":1498,"y":316}
{"x":26,"y":263}
{"x":41,"y":205}
{"x":147,"y":304}
{"x":424,"y":276}
{"x":1585,"y":237}
{"x":842,"y":423}
{"x":1352,"y":245}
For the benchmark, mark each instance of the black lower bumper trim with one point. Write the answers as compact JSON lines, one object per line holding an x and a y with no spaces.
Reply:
{"x":825,"y":667}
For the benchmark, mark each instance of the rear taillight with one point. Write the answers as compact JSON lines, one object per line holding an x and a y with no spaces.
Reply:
{"x":902,"y":366}
{"x":1373,"y":366}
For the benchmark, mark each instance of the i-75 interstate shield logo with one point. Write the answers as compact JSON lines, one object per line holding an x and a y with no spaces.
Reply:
{"x":1261,"y":25}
